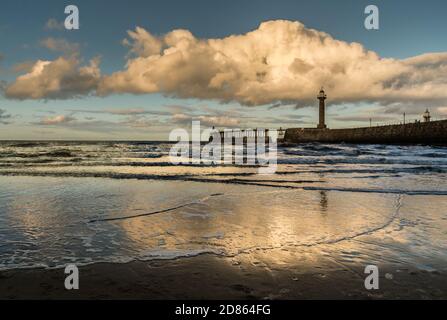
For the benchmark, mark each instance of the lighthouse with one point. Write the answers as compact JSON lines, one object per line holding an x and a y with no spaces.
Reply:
{"x":322,"y":96}
{"x":427,"y":116}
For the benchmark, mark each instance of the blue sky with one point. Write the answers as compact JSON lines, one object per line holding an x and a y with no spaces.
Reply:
{"x":407,"y":29}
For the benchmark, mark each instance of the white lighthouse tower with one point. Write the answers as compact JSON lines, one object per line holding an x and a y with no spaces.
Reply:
{"x":427,"y":116}
{"x":322,"y":96}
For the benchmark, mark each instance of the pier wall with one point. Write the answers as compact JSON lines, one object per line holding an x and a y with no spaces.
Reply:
{"x":434,"y":132}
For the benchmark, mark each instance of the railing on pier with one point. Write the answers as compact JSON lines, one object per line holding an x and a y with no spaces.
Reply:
{"x":249,"y":133}
{"x":395,"y":123}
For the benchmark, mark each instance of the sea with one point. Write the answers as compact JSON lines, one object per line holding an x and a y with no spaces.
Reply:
{"x":89,"y":202}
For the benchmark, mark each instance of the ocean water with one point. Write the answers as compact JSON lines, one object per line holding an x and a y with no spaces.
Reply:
{"x":88,"y":202}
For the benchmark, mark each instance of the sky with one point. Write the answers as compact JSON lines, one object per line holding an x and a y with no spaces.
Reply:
{"x":137,"y":69}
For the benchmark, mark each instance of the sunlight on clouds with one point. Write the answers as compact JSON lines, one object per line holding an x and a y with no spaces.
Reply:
{"x":280,"y":62}
{"x":58,"y":79}
{"x":56,"y":120}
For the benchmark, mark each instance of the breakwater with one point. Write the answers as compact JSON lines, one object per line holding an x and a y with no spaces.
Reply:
{"x":434,"y":132}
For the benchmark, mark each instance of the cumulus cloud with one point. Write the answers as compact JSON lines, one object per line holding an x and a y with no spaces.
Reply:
{"x":56,"y":120}
{"x":142,"y":43}
{"x":59,"y":79}
{"x":280,"y":62}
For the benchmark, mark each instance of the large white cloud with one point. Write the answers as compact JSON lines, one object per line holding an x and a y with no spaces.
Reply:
{"x":281,"y":61}
{"x":58,"y":79}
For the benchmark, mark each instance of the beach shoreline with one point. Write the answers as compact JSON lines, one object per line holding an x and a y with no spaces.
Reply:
{"x":211,"y":277}
{"x":307,"y":232}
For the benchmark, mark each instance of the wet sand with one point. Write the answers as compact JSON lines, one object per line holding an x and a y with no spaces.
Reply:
{"x":212,"y":277}
{"x":307,"y":232}
{"x":261,"y":244}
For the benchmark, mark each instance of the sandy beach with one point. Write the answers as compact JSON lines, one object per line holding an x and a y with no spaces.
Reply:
{"x":208,"y":277}
{"x":143,"y":229}
{"x":221,"y":150}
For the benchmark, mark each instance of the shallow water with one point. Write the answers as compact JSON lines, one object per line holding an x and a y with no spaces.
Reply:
{"x":65,"y":202}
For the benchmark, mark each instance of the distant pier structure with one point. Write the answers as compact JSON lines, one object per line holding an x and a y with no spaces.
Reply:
{"x":426,"y":132}
{"x":245,"y":134}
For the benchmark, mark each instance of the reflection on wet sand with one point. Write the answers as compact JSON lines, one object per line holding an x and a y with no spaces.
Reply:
{"x":323,"y":201}
{"x":328,"y":209}
{"x":272,"y":229}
